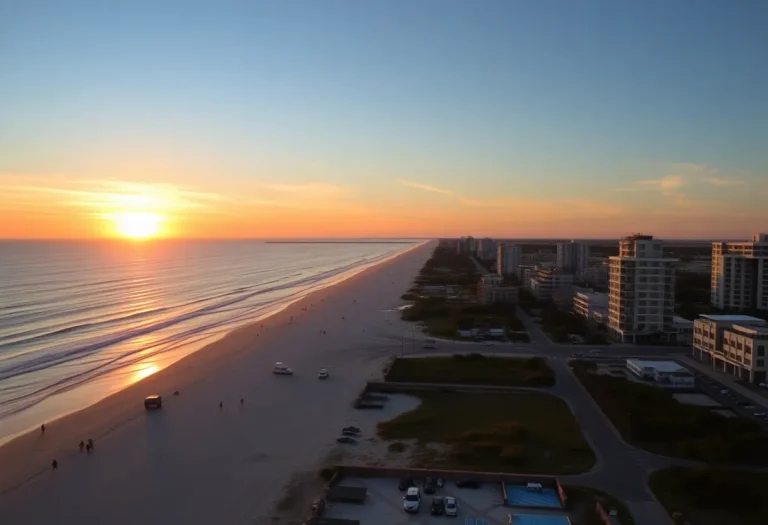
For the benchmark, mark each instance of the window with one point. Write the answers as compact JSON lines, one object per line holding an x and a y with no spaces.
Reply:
{"x":760,"y":363}
{"x":761,"y":350}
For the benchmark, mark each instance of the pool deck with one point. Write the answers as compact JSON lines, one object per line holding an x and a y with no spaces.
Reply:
{"x":520,"y":496}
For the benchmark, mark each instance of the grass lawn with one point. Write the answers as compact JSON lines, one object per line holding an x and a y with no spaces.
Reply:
{"x":474,"y":369}
{"x":522,"y":432}
{"x":707,"y":496}
{"x":583,"y":500}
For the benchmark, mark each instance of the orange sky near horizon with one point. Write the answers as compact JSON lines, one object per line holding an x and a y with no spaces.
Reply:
{"x":61,"y":208}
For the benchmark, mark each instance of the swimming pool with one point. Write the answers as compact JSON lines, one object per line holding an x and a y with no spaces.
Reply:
{"x":519,"y":496}
{"x":532,"y":519}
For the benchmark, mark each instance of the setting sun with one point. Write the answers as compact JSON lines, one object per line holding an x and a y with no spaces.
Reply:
{"x":137,"y":225}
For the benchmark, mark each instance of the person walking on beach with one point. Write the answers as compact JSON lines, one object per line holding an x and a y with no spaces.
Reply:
{"x":221,"y":404}
{"x":55,"y":465}
{"x":81,"y":446}
{"x":42,"y":428}
{"x":90,"y":444}
{"x":242,"y":401}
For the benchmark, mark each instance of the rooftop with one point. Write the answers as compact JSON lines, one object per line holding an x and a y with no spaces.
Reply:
{"x":660,"y":366}
{"x":733,"y":318}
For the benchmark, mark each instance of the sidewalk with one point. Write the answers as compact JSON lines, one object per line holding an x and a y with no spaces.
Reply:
{"x":726,"y":380}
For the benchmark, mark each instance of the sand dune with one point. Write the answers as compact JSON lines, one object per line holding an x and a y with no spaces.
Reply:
{"x":193,"y":462}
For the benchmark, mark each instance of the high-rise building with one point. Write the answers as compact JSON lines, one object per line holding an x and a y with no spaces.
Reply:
{"x":740,"y":274}
{"x":641,"y":291}
{"x":466,"y":245}
{"x":509,"y":257}
{"x":573,"y":257}
{"x":485,"y":248}
{"x":546,"y":281}
{"x":734,"y":344}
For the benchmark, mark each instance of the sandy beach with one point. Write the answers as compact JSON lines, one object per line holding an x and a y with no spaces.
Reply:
{"x":193,"y":462}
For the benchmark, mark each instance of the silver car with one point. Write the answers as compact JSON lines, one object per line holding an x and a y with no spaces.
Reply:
{"x":451,"y":507}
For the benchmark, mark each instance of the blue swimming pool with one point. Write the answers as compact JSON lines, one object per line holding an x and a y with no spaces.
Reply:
{"x":532,"y":519}
{"x":519,"y":496}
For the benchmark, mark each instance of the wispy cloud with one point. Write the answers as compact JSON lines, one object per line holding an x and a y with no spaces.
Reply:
{"x":425,"y":187}
{"x":311,"y":189}
{"x":682,"y":175}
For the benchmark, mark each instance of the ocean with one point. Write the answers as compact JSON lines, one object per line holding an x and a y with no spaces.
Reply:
{"x":80,"y":320}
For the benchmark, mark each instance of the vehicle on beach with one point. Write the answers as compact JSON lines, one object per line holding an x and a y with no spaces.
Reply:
{"x":153,"y":402}
{"x":352,"y":429}
{"x":412,"y":500}
{"x":323,"y":373}
{"x":451,"y":508}
{"x":348,"y":433}
{"x":346,"y":440}
{"x":281,"y":369}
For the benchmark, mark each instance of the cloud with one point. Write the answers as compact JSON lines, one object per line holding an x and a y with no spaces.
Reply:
{"x":312,"y":189}
{"x":425,"y":187}
{"x":668,"y":183}
{"x":683,"y":175}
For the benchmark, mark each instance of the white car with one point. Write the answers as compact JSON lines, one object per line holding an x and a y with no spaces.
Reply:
{"x":412,"y":500}
{"x":724,"y":391}
{"x":323,"y":373}
{"x":281,"y":369}
{"x":451,"y":507}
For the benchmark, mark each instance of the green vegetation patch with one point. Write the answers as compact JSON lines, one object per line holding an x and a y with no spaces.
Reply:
{"x":649,"y":417}
{"x":705,"y":496}
{"x":473,"y":369}
{"x":520,"y":432}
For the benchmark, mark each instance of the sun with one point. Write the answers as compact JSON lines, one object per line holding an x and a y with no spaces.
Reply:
{"x":137,"y":225}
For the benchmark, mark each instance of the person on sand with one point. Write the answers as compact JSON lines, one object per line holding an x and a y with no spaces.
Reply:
{"x":55,"y":465}
{"x":81,"y":446}
{"x":221,"y":404}
{"x":90,"y":444}
{"x":42,"y":428}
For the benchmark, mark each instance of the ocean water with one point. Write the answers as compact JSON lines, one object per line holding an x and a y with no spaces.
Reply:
{"x":81,"y":320}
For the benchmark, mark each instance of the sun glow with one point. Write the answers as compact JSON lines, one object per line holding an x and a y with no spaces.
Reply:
{"x":137,"y":225}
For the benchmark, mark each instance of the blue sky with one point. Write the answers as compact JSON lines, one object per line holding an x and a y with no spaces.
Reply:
{"x":657,"y":106}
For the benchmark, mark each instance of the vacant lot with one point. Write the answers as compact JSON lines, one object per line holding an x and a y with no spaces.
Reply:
{"x":707,"y":496}
{"x":582,"y":502}
{"x":473,"y":369}
{"x":521,"y":432}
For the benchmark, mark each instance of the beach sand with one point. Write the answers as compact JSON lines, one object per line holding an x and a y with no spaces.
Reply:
{"x":193,"y":462}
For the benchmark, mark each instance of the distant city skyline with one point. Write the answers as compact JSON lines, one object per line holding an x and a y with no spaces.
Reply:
{"x":528,"y":119}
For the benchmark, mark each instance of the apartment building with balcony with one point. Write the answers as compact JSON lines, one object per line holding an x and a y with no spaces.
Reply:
{"x":491,"y":289}
{"x":545,"y":281}
{"x":740,"y":274}
{"x":509,"y":257}
{"x":593,"y":306}
{"x":641,"y":292}
{"x":734,"y":344}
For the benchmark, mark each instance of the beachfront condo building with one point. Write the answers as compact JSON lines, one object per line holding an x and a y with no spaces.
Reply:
{"x":641,"y":292}
{"x":466,"y":245}
{"x":485,"y":249}
{"x":734,"y":344}
{"x":740,"y":274}
{"x":546,"y":281}
{"x":573,"y":257}
{"x":509,"y":257}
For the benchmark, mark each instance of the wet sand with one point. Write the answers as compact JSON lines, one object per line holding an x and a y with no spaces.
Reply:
{"x":193,"y":462}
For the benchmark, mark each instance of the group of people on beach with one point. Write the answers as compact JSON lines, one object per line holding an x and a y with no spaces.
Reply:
{"x":83,"y":445}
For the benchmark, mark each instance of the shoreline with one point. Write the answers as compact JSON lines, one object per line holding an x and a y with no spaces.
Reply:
{"x":110,"y":414}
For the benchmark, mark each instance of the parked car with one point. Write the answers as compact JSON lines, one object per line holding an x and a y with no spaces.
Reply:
{"x":429,"y":486}
{"x":764,"y":385}
{"x":412,"y":500}
{"x":750,"y":407}
{"x":468,"y":483}
{"x":323,"y":373}
{"x":759,"y":414}
{"x":440,"y":482}
{"x":451,"y":507}
{"x":348,"y":433}
{"x":724,"y":392}
{"x":741,"y":403}
{"x":345,"y":439}
{"x":429,"y":347}
{"x":405,"y":483}
{"x":438,"y":506}
{"x":281,"y":369}
{"x":153,"y":402}
{"x":352,"y":429}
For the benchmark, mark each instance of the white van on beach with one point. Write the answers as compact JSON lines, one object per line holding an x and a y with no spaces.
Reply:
{"x":281,"y":369}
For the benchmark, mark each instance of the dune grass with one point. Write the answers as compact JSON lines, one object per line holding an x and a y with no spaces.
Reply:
{"x":520,"y":432}
{"x":474,"y":369}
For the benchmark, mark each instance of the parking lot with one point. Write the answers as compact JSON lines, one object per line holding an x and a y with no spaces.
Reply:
{"x":384,"y":504}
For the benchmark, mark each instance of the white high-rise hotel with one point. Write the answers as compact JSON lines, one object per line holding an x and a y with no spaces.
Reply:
{"x":642,"y":291}
{"x":509,"y":257}
{"x":573,"y":257}
{"x":740,"y":274}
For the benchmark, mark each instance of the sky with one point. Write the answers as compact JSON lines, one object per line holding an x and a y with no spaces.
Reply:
{"x":396,"y":118}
